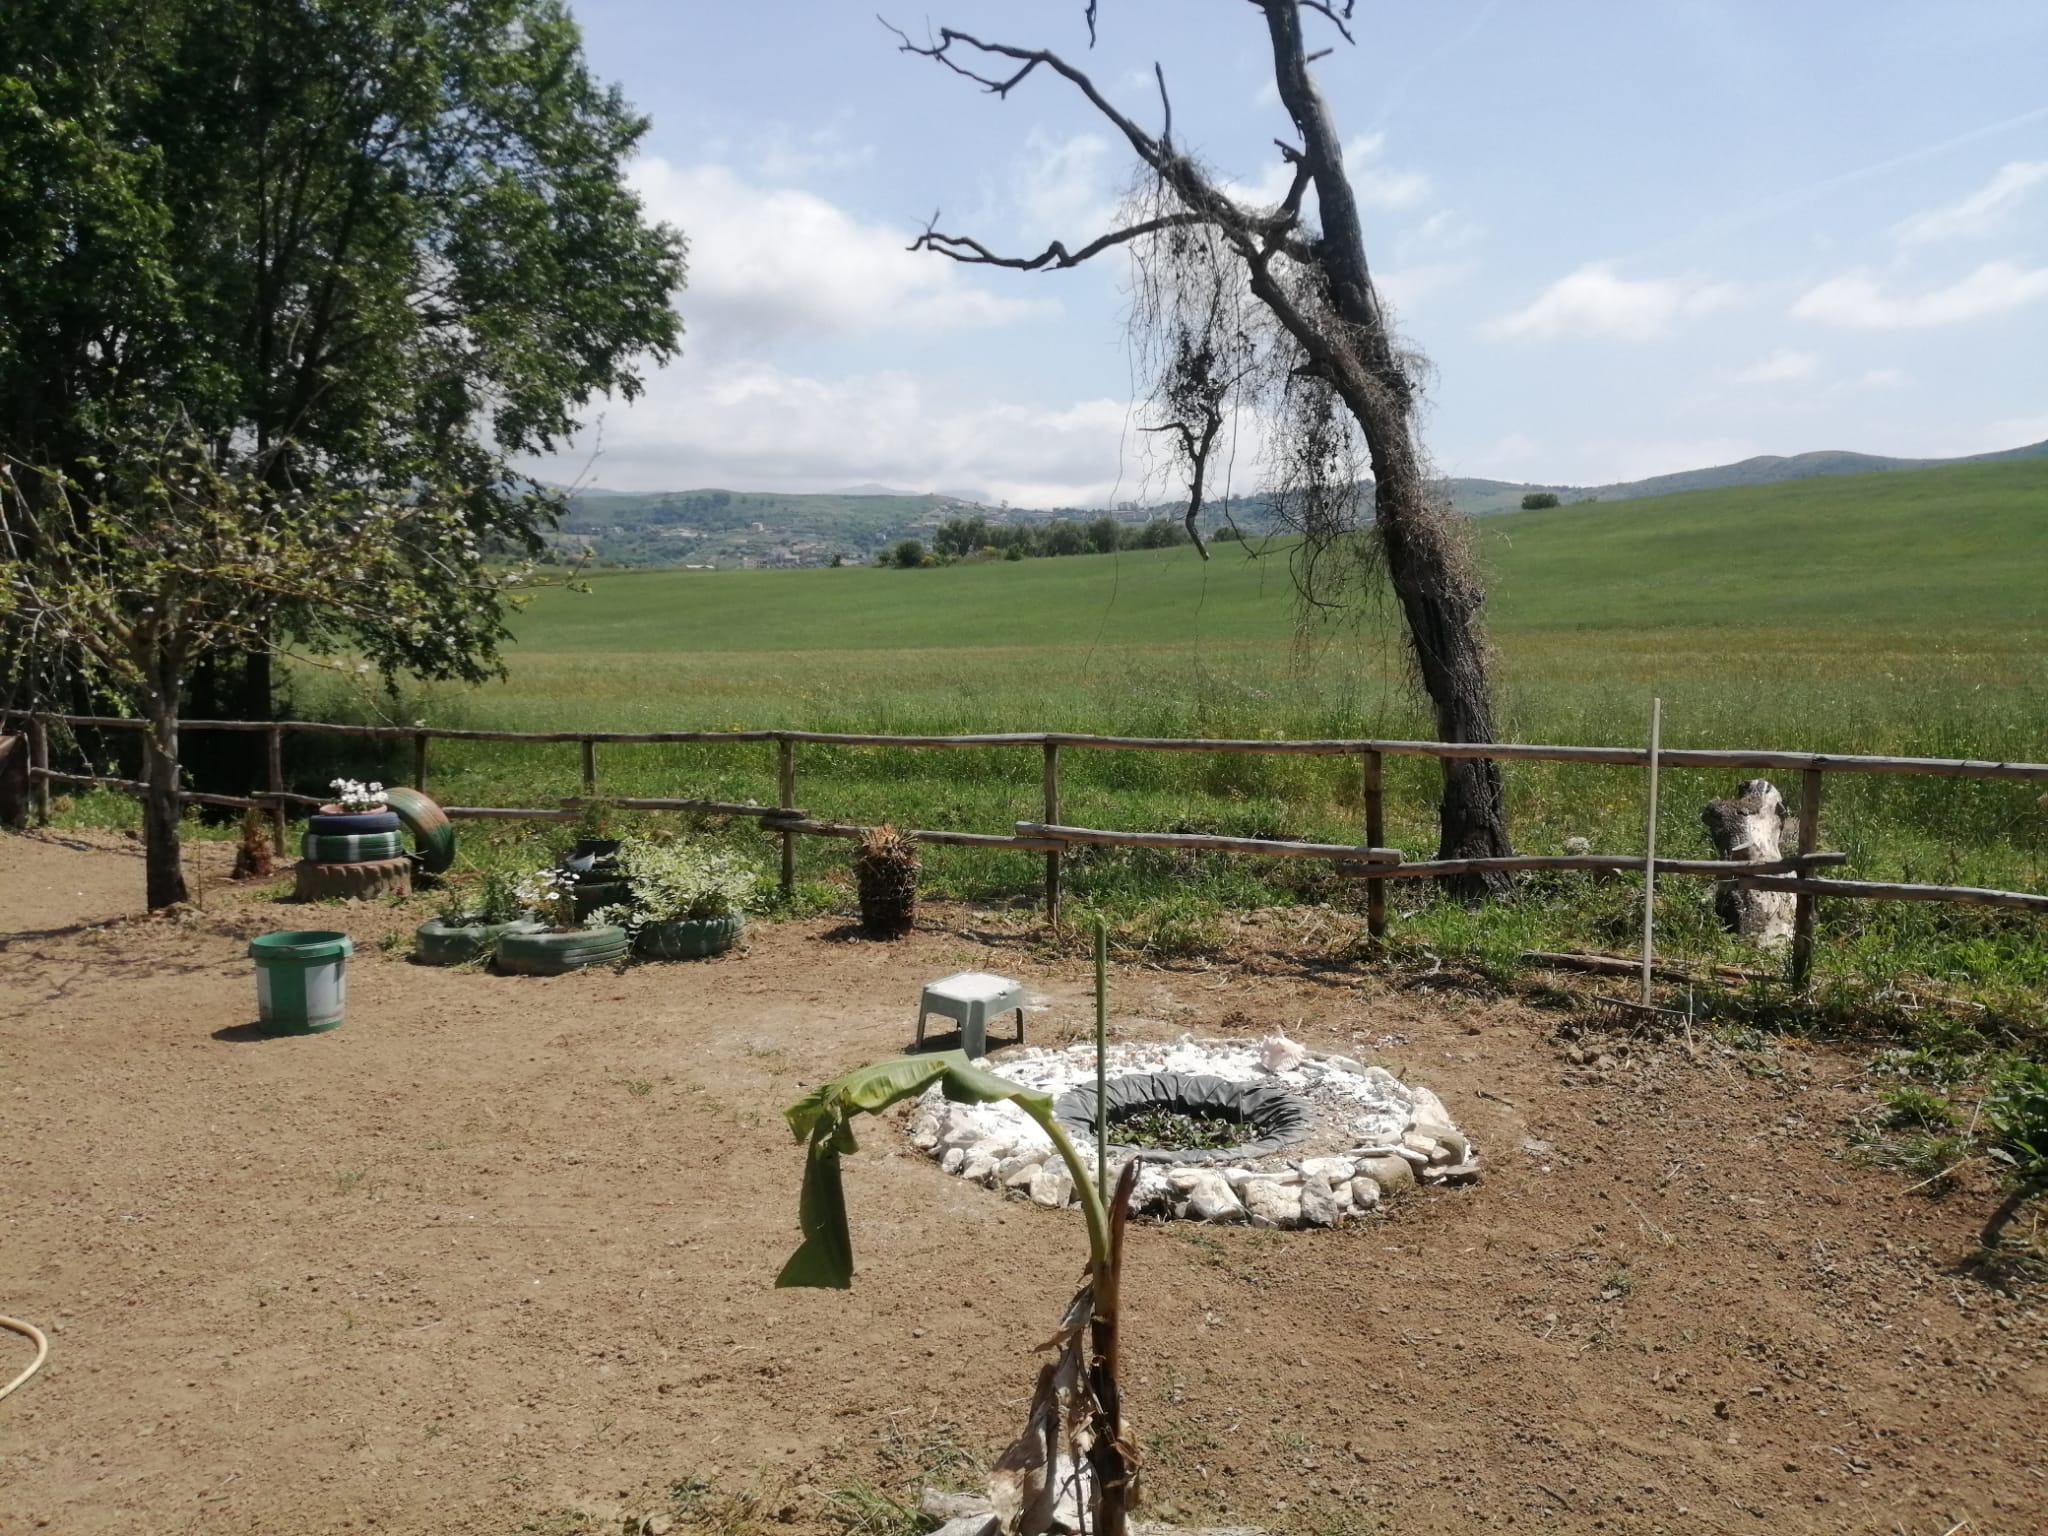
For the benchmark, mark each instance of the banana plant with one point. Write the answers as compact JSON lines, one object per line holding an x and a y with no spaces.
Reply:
{"x":1073,"y":1468}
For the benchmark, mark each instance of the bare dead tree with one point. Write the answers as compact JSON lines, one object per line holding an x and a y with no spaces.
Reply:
{"x":1263,"y":310}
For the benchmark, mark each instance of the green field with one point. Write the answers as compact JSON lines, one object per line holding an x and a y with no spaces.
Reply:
{"x":1895,"y":613}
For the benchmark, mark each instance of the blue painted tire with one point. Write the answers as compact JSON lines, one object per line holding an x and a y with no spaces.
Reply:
{"x":350,"y":823}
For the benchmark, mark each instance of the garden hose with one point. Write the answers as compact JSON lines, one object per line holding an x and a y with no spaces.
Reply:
{"x":34,"y":1334}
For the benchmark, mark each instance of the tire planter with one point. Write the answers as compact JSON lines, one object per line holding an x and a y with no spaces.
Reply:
{"x":689,"y":939}
{"x":439,"y":943}
{"x":351,"y":847}
{"x":351,"y":823}
{"x":550,"y":952}
{"x":351,"y":882}
{"x":433,"y":834}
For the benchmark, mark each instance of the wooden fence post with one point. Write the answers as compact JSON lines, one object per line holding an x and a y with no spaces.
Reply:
{"x":589,"y":768}
{"x":1803,"y":904}
{"x":1052,"y":816}
{"x":785,"y":786}
{"x":419,"y":762}
{"x":39,"y":757}
{"x":274,"y":781}
{"x":1375,"y":837}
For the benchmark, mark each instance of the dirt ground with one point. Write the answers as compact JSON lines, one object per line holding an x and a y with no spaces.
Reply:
{"x":495,"y":1257}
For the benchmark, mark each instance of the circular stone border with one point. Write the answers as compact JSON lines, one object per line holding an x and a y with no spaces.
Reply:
{"x":1276,"y":1118}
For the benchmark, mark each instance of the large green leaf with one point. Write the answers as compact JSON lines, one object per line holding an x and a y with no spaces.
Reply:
{"x":824,"y":1117}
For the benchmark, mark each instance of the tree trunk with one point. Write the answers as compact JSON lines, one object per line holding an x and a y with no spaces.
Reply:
{"x":1427,"y":562}
{"x":163,"y":857}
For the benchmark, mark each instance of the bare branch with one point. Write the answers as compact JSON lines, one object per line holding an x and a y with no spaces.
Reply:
{"x":1055,"y":257}
{"x":1337,"y":20}
{"x":1165,"y":104}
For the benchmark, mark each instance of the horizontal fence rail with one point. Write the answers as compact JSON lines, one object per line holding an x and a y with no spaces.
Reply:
{"x":1368,"y":860}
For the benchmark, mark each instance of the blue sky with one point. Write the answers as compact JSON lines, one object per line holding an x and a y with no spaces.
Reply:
{"x":1633,"y":238}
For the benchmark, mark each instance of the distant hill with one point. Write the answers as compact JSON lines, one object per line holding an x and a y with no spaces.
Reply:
{"x":778,"y":529}
{"x":1481,"y":498}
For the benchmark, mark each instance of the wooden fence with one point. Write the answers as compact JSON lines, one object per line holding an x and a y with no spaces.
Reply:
{"x":1368,"y":859}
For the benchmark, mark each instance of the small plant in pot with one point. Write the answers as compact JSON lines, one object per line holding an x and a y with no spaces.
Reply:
{"x":687,"y":902}
{"x":471,"y":921}
{"x":559,"y":939}
{"x":885,"y":869}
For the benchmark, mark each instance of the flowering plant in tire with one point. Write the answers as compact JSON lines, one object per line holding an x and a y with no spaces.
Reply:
{"x":355,"y":798}
{"x":550,"y":895}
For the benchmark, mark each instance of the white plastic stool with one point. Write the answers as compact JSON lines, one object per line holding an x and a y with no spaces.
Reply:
{"x":969,"y":999}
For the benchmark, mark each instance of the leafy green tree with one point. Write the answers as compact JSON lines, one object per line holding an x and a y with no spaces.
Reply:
{"x":1102,"y":535}
{"x":908,"y":554}
{"x":161,"y":558}
{"x":357,"y":245}
{"x":1537,"y":501}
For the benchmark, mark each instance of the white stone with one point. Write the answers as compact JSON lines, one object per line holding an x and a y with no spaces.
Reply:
{"x":1365,"y":1192}
{"x":1427,"y":1106}
{"x":1277,"y":1053}
{"x":1210,"y":1199}
{"x":1392,"y":1175}
{"x":1019,"y":1177}
{"x":954,"y":1159}
{"x":1051,"y":1187}
{"x":1445,"y":1135}
{"x":979,"y":1168}
{"x":1318,"y":1205}
{"x":1273,"y":1204}
{"x":1331,"y":1170}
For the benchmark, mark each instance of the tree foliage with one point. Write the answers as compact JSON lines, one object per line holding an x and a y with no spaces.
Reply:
{"x":355,"y":246}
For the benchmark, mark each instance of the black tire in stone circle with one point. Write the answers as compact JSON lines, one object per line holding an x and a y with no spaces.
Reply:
{"x":549,"y":953}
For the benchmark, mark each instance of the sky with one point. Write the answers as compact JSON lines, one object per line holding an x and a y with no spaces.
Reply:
{"x":1631,"y":238}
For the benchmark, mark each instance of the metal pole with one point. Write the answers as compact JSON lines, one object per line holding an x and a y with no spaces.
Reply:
{"x":1101,"y":1055}
{"x":1375,"y":837}
{"x":1650,"y":849}
{"x":1052,"y":816}
{"x":785,"y":783}
{"x":1803,"y":905}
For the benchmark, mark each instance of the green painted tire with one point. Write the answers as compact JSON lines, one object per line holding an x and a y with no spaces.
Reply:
{"x":689,"y":939}
{"x":433,"y":834}
{"x":551,"y":953}
{"x":351,"y":882}
{"x":351,"y":847}
{"x":439,"y":943}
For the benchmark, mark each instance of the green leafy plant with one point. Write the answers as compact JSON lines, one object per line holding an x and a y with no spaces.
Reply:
{"x":1916,"y":1109}
{"x":594,"y":817}
{"x":1073,"y":1458}
{"x":2016,"y":1121}
{"x":680,"y":882}
{"x":493,"y":899}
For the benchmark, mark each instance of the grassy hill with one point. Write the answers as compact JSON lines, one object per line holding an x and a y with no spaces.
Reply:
{"x":775,"y":530}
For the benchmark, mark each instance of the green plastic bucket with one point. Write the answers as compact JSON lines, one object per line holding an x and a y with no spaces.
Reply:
{"x":300,"y":980}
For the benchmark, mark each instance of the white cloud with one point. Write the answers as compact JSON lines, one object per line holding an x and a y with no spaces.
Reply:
{"x":752,"y":425}
{"x":1883,"y":378}
{"x":2015,"y":432}
{"x":1781,"y":367}
{"x":1981,"y":212}
{"x":1859,"y":301}
{"x":1597,"y":301}
{"x":1063,"y":189}
{"x":770,"y":263}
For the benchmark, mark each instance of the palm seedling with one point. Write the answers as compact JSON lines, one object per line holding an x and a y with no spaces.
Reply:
{"x":885,"y":868}
{"x":1072,"y":1468}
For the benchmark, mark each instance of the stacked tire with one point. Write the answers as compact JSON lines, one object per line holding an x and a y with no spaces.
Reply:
{"x":352,"y":855}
